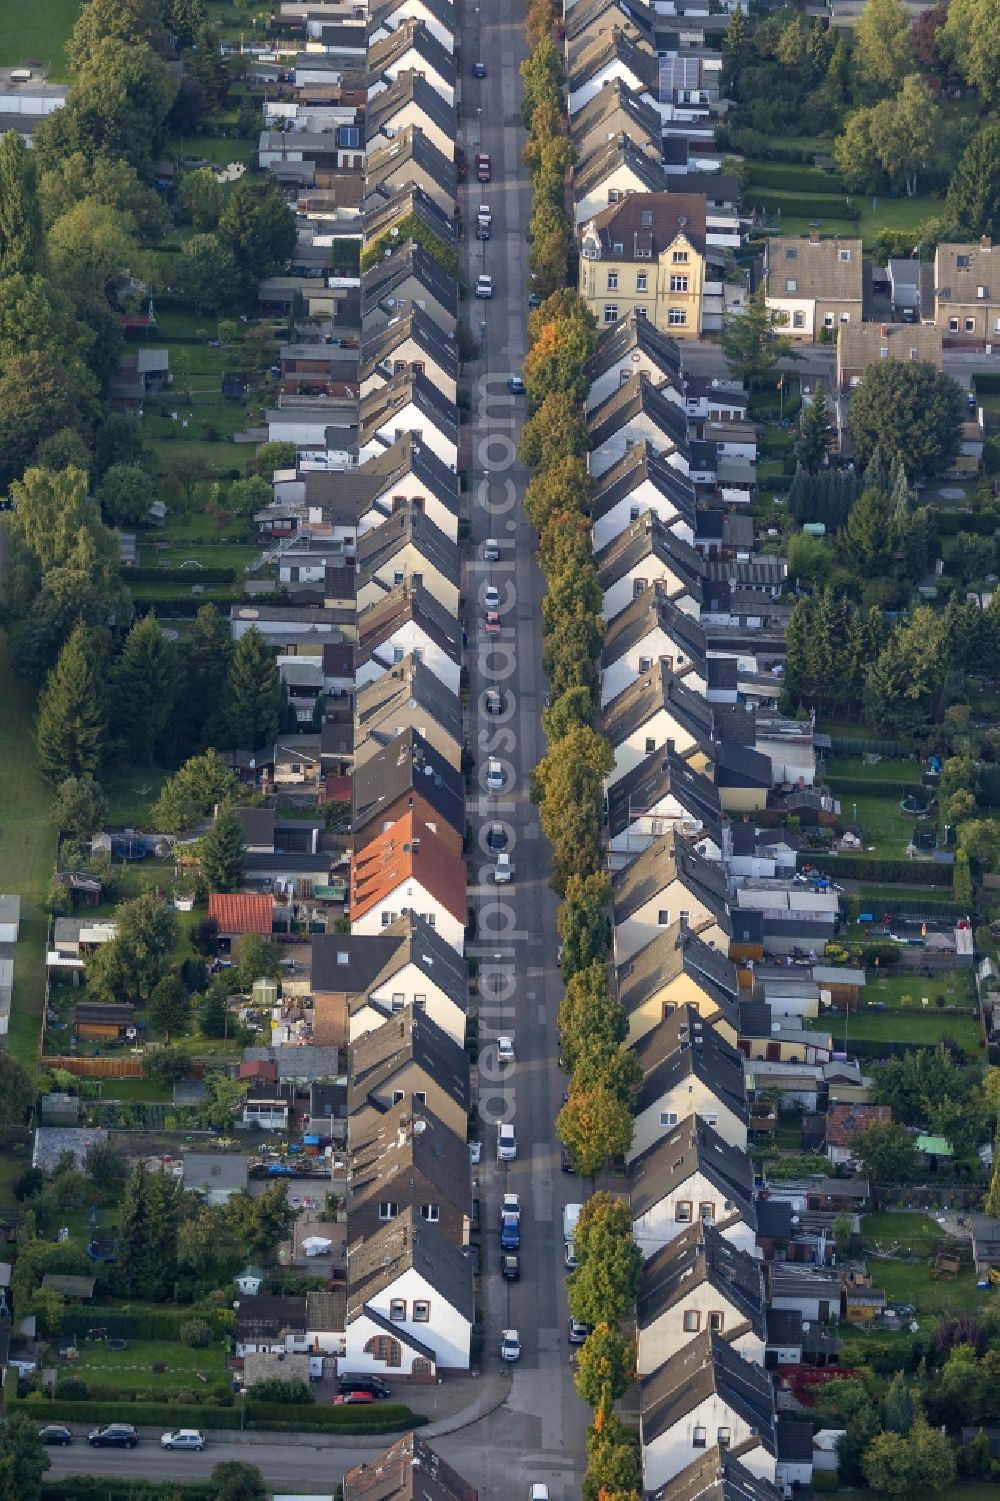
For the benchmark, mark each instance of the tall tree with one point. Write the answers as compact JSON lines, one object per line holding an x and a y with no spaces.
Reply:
{"x":80,"y":807}
{"x":595,"y":1126}
{"x":169,"y":1007}
{"x":919,"y":1463}
{"x":129,"y":967}
{"x":257,"y":229}
{"x":223,"y":852}
{"x":22,"y":235}
{"x":813,"y":445}
{"x":38,"y":397}
{"x":905,"y":131}
{"x":909,"y":409}
{"x":970,"y":37}
{"x":883,"y":44}
{"x":974,"y":190}
{"x":205,"y":655}
{"x":192,"y":792}
{"x":71,"y":732}
{"x":23,"y":1458}
{"x":145,"y":687}
{"x":17,"y":1090}
{"x":751,"y":341}
{"x":555,"y":432}
{"x":604,"y":1366}
{"x":582,"y":922}
{"x":253,"y":693}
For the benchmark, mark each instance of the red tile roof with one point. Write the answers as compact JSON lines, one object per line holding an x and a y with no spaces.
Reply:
{"x":241,"y":912}
{"x":843,"y":1121}
{"x":408,"y":850}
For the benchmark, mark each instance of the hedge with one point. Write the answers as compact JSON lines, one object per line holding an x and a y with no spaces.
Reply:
{"x":950,"y":523}
{"x":868,"y":868}
{"x":987,"y":382}
{"x":383,"y":1417}
{"x":163,"y":607}
{"x":122,"y":1488}
{"x":181,"y":575}
{"x":785,"y":178}
{"x":128,"y":1323}
{"x":876,"y":787}
{"x":801,"y":207}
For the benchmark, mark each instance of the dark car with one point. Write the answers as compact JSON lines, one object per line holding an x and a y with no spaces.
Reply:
{"x":113,"y":1436}
{"x":479,"y":70}
{"x":510,"y":1267}
{"x":55,"y":1433}
{"x":534,"y":299}
{"x":373,"y":1384}
{"x":510,"y":1232}
{"x":565,"y":1160}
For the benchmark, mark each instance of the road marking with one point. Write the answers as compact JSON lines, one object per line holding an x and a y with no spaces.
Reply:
{"x":542,"y":1197}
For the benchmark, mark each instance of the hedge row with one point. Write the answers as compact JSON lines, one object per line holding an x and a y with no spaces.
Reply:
{"x":987,"y":382}
{"x":128,"y":1323}
{"x":895,"y":906}
{"x":175,"y":608}
{"x":801,"y":207}
{"x":182,"y":575}
{"x":787,"y":179}
{"x":123,"y":1488}
{"x":868,"y":868}
{"x":876,"y":787}
{"x":950,"y":523}
{"x":379,"y":1418}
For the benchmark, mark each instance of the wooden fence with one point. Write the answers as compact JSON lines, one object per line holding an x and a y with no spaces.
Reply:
{"x":98,"y":1068}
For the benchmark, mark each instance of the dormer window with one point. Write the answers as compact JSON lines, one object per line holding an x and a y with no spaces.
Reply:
{"x":647,"y":218}
{"x":844,"y":255}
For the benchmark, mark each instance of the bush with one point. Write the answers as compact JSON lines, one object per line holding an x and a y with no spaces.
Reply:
{"x":71,"y":1389}
{"x":888,"y":872}
{"x":181,"y":575}
{"x":788,"y":180}
{"x":197,"y":1333}
{"x":122,"y":1488}
{"x":293,"y":1392}
{"x":825,"y":1480}
{"x":832,"y":207}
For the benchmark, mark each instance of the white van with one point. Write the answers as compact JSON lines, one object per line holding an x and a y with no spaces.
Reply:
{"x":506,"y":1144}
{"x":571,"y":1214}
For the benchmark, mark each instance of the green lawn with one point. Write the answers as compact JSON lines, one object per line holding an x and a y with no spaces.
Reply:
{"x":910,"y":1282}
{"x":886,"y":770}
{"x":883,"y":823}
{"x":925,"y":1028}
{"x":132,"y":794}
{"x":38,"y":33}
{"x":217,"y":457}
{"x":904,"y":215}
{"x":913,"y":1234}
{"x":920,"y":896}
{"x":956,"y":984}
{"x":132,"y":1367}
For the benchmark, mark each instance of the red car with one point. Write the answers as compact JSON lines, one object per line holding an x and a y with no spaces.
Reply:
{"x":492,"y":623}
{"x":351,"y":1397}
{"x":484,"y":166}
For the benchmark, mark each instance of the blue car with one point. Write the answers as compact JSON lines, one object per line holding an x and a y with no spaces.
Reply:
{"x":479,"y":70}
{"x":510,"y":1232}
{"x":516,"y":385}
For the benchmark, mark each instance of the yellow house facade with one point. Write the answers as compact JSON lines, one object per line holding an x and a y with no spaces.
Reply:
{"x":646,"y":254}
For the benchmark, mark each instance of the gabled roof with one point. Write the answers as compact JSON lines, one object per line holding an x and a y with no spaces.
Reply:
{"x":382,"y":280}
{"x":408,"y":851}
{"x":707,"y":1366}
{"x":388,"y":205}
{"x":636,"y":466}
{"x":611,"y":156}
{"x":409,"y":388}
{"x":412,"y":33}
{"x":417,"y":943}
{"x":408,"y":455}
{"x":409,"y":87}
{"x":242,"y":912}
{"x":717,"y":1475}
{"x":408,"y":765}
{"x":618,"y":340}
{"x":406,"y":1243}
{"x":645,"y":123}
{"x":382,"y":12}
{"x":647,"y":224}
{"x":411,"y":146}
{"x":411,"y":1036}
{"x":648,"y":537}
{"x":407,"y":684}
{"x":659,"y":689}
{"x":683,"y":1046}
{"x":693,"y":1147}
{"x":660,"y":775}
{"x":667,"y":859}
{"x":410,"y":1470}
{"x":407,"y":524}
{"x":678,"y":950}
{"x":379,"y":622}
{"x":377,"y":348}
{"x":701,"y":1254}
{"x":605,"y":49}
{"x":647,"y":613}
{"x":393,"y":1151}
{"x":585,"y":12}
{"x":638,"y":397}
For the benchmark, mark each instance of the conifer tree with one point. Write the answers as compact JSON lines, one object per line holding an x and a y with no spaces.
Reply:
{"x":254,"y":693}
{"x":22,"y":236}
{"x":71,"y":733}
{"x":223,"y":852}
{"x":145,"y":688}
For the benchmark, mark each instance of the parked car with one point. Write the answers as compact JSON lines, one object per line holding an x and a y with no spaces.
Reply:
{"x":475,"y":1152}
{"x":505,"y":1054}
{"x":565,"y":1160}
{"x":113,"y":1436}
{"x":534,"y":299}
{"x":510,"y":1266}
{"x":479,"y":70}
{"x":510,"y":1344}
{"x":484,"y":166}
{"x":491,"y":597}
{"x":491,"y":550}
{"x":484,"y":286}
{"x":494,"y":777}
{"x":496,"y":837}
{"x":516,"y":385}
{"x":510,"y":1232}
{"x":538,"y":1493}
{"x":183,"y":1438}
{"x":511,"y":1204}
{"x":55,"y":1433}
{"x":485,"y":212}
{"x":346,"y":1399}
{"x":491,"y":623}
{"x":482,"y":230}
{"x":373,"y":1384}
{"x":503,"y":871}
{"x":506,"y":1144}
{"x":495,"y":701}
{"x":578,"y":1332}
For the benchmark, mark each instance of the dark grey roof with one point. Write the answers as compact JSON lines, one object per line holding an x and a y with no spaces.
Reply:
{"x":648,"y":537}
{"x":603,"y":51}
{"x":386,"y":207}
{"x":409,"y":1036}
{"x":692,"y":1147}
{"x":257,"y":825}
{"x":290,"y":861}
{"x":409,"y":764}
{"x":423,"y":946}
{"x":409,"y":86}
{"x":261,"y":1314}
{"x":423,"y":1145}
{"x":701,"y":1254}
{"x":774,"y":1219}
{"x":650,"y":611}
{"x":407,"y":683}
{"x":412,"y":33}
{"x":739,"y":765}
{"x":395,"y":1332}
{"x":634,"y":468}
{"x":669,"y":858}
{"x":638,"y":396}
{"x":630,"y":333}
{"x":673,"y":951}
{"x":684,"y":1046}
{"x":707,"y":1366}
{"x":645,"y":122}
{"x":381,"y":620}
{"x":784,"y":1326}
{"x":659,"y":689}
{"x":795,"y":1440}
{"x":410,"y":145}
{"x":348,"y":962}
{"x":408,"y":1241}
{"x":718,"y":187}
{"x":380,"y":407}
{"x":343,"y":494}
{"x":653,"y":779}
{"x":608,"y":158}
{"x":385,"y":278}
{"x":381,"y":13}
{"x":409,"y":455}
{"x":585,"y":12}
{"x":717,"y":1475}
{"x":406,"y":524}
{"x":377,"y":348}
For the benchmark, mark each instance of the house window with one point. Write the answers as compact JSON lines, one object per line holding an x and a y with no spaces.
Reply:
{"x":666,"y":1008}
{"x":430,"y":1212}
{"x":706,"y":1212}
{"x":791,"y":285}
{"x":663,"y":918}
{"x":430,"y":918}
{"x":387,"y":1210}
{"x":646,"y":218}
{"x":421,"y":1367}
{"x":970,"y":325}
{"x":617,"y":248}
{"x":723,"y":1438}
{"x":397,"y":654}
{"x":953,"y":325}
{"x":650,"y":744}
{"x":668,"y":1118}
{"x":642,"y":312}
{"x":397,"y":577}
{"x":421,"y":1311}
{"x":612,"y":195}
{"x":397,"y":1096}
{"x":677,"y":317}
{"x":611,"y":312}
{"x":385,"y":1349}
{"x":692,"y":1321}
{"x":996,"y":325}
{"x":827,"y":320}
{"x":645,"y":663}
{"x":845,"y":317}
{"x":883,"y":354}
{"x":680,"y":257}
{"x":682,"y":1212}
{"x":397,"y":1310}
{"x":700,"y":1437}
{"x":612,"y":281}
{"x":711,"y":1120}
{"x":398,"y":1001}
{"x":386,"y":919}
{"x":678,"y":284}
{"x":844,"y":255}
{"x":638,"y":587}
{"x":420,"y":1097}
{"x":716,"y":1321}
{"x":798,"y":320}
{"x":420,"y":1002}
{"x":641,"y":281}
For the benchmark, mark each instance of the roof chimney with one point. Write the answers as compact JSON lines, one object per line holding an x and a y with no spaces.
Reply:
{"x":985,"y":242}
{"x":814,"y":237}
{"x":884,"y":330}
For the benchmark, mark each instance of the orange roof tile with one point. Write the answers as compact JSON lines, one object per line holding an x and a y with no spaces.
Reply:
{"x":407,"y":851}
{"x":843,"y":1121}
{"x":241,"y":912}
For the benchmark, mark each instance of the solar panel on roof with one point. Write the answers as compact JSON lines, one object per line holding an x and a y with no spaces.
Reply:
{"x":677,"y":73}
